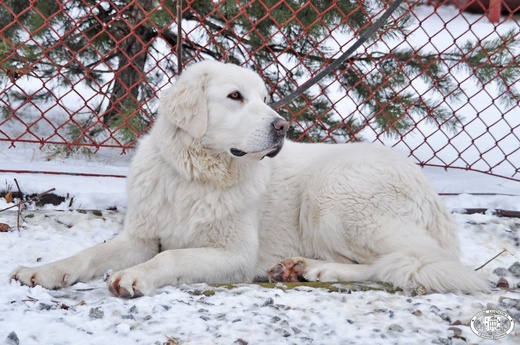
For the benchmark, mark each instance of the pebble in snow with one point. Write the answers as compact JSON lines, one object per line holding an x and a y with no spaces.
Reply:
{"x":96,"y":313}
{"x":515,"y":269}
{"x":396,"y":328}
{"x":500,"y":271}
{"x":269,"y":301}
{"x":12,"y":339}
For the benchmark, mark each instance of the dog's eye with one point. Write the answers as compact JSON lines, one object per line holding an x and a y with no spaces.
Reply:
{"x":236,"y":96}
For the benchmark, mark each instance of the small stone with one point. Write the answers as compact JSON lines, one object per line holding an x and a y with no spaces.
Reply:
{"x":515,"y":269}
{"x":457,"y":332}
{"x":12,"y":339}
{"x":515,"y":316}
{"x":275,"y":319}
{"x":45,"y":306}
{"x":445,"y":317}
{"x":283,"y":332}
{"x":435,"y":309}
{"x":500,"y":271}
{"x":268,"y":302}
{"x":417,"y":312}
{"x":508,"y":302}
{"x":396,"y":328}
{"x":442,"y":341}
{"x":132,"y":310}
{"x":160,"y":308}
{"x":96,"y":313}
{"x":208,"y":293}
{"x":420,"y":290}
{"x":502,"y":283}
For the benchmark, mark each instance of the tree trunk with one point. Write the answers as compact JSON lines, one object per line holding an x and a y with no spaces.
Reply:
{"x":134,"y":40}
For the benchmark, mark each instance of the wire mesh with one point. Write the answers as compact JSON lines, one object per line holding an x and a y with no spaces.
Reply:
{"x":437,"y":81}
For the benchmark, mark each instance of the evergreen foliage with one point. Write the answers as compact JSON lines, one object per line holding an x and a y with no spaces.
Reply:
{"x":123,"y":50}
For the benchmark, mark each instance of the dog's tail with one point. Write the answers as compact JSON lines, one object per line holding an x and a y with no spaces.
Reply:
{"x":434,"y":271}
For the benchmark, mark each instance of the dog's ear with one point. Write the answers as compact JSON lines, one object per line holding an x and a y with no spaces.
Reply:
{"x":185,"y":103}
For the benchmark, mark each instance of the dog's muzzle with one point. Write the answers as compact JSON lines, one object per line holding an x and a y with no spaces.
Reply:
{"x":279,"y":129}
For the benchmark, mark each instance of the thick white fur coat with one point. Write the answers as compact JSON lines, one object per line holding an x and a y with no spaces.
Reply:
{"x":207,"y":205}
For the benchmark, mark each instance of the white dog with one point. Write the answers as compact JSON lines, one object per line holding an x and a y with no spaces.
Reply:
{"x":204,"y":206}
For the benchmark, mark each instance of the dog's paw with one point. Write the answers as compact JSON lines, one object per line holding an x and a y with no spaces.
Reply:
{"x":321,"y":273}
{"x":302,"y":270}
{"x":129,"y":284}
{"x":47,"y":276}
{"x":289,"y":270}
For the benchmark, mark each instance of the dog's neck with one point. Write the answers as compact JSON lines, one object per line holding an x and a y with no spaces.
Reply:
{"x":196,"y":163}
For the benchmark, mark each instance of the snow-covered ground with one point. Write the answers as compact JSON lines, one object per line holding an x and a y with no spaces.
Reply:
{"x":87,"y":313}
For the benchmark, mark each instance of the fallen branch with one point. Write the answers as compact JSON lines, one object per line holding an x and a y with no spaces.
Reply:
{"x":493,"y":258}
{"x":478,"y":194}
{"x":19,"y":208}
{"x":29,"y":200}
{"x":494,"y":212}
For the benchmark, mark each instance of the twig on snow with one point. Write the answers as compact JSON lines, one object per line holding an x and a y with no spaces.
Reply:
{"x":19,"y":207}
{"x":495,"y":212}
{"x":29,"y":200}
{"x":493,"y":258}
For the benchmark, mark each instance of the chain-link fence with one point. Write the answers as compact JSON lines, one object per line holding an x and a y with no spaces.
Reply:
{"x":439,"y":83}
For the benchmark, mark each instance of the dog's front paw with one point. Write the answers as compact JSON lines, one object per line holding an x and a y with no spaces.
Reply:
{"x":48,"y":276}
{"x":129,"y":284}
{"x":288,"y":271}
{"x":302,"y":270}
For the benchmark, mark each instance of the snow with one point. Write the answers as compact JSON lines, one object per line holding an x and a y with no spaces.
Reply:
{"x":87,"y":313}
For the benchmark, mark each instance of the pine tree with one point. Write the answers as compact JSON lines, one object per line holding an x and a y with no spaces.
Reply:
{"x":122,"y":49}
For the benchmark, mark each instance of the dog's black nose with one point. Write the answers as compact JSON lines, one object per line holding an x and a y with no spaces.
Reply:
{"x":280,"y":127}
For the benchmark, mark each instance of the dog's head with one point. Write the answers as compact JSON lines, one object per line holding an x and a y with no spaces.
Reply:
{"x":224,"y":106}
